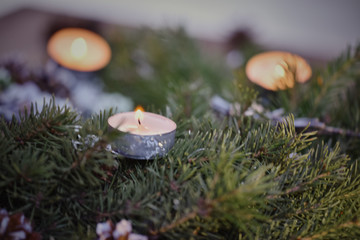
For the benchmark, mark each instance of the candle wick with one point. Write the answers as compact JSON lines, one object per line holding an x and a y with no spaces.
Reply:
{"x":139,"y":121}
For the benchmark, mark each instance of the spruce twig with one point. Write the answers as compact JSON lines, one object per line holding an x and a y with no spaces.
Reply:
{"x":333,"y":229}
{"x":346,"y":65}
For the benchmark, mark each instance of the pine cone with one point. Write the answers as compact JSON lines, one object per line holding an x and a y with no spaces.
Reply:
{"x":16,"y":226}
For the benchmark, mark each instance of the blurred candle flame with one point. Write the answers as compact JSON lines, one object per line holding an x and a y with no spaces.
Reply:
{"x":284,"y":75}
{"x":279,"y":70}
{"x":78,"y":48}
{"x":139,"y":116}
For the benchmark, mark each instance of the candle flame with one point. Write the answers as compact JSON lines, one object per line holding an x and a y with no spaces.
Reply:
{"x":279,"y":70}
{"x":139,"y":116}
{"x":78,"y":48}
{"x":285,"y":75}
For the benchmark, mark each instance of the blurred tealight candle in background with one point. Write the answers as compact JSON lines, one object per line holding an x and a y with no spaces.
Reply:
{"x":277,"y":70}
{"x":79,"y":49}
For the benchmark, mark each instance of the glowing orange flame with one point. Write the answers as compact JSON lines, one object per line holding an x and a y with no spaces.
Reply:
{"x":279,"y":70}
{"x":78,"y":48}
{"x":139,"y":116}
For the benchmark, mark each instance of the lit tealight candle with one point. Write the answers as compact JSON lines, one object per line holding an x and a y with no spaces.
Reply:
{"x":79,"y":49}
{"x":277,"y":70}
{"x":148,"y":135}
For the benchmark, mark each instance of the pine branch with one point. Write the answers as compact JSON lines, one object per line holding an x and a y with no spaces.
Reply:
{"x":334,"y":229}
{"x":299,"y":187}
{"x":237,"y":178}
{"x":175,"y":224}
{"x":341,"y":67}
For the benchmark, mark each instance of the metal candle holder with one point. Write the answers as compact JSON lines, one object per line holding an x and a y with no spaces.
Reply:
{"x":139,"y":145}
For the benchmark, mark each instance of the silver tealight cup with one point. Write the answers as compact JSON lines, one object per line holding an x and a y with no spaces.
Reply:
{"x":152,"y":136}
